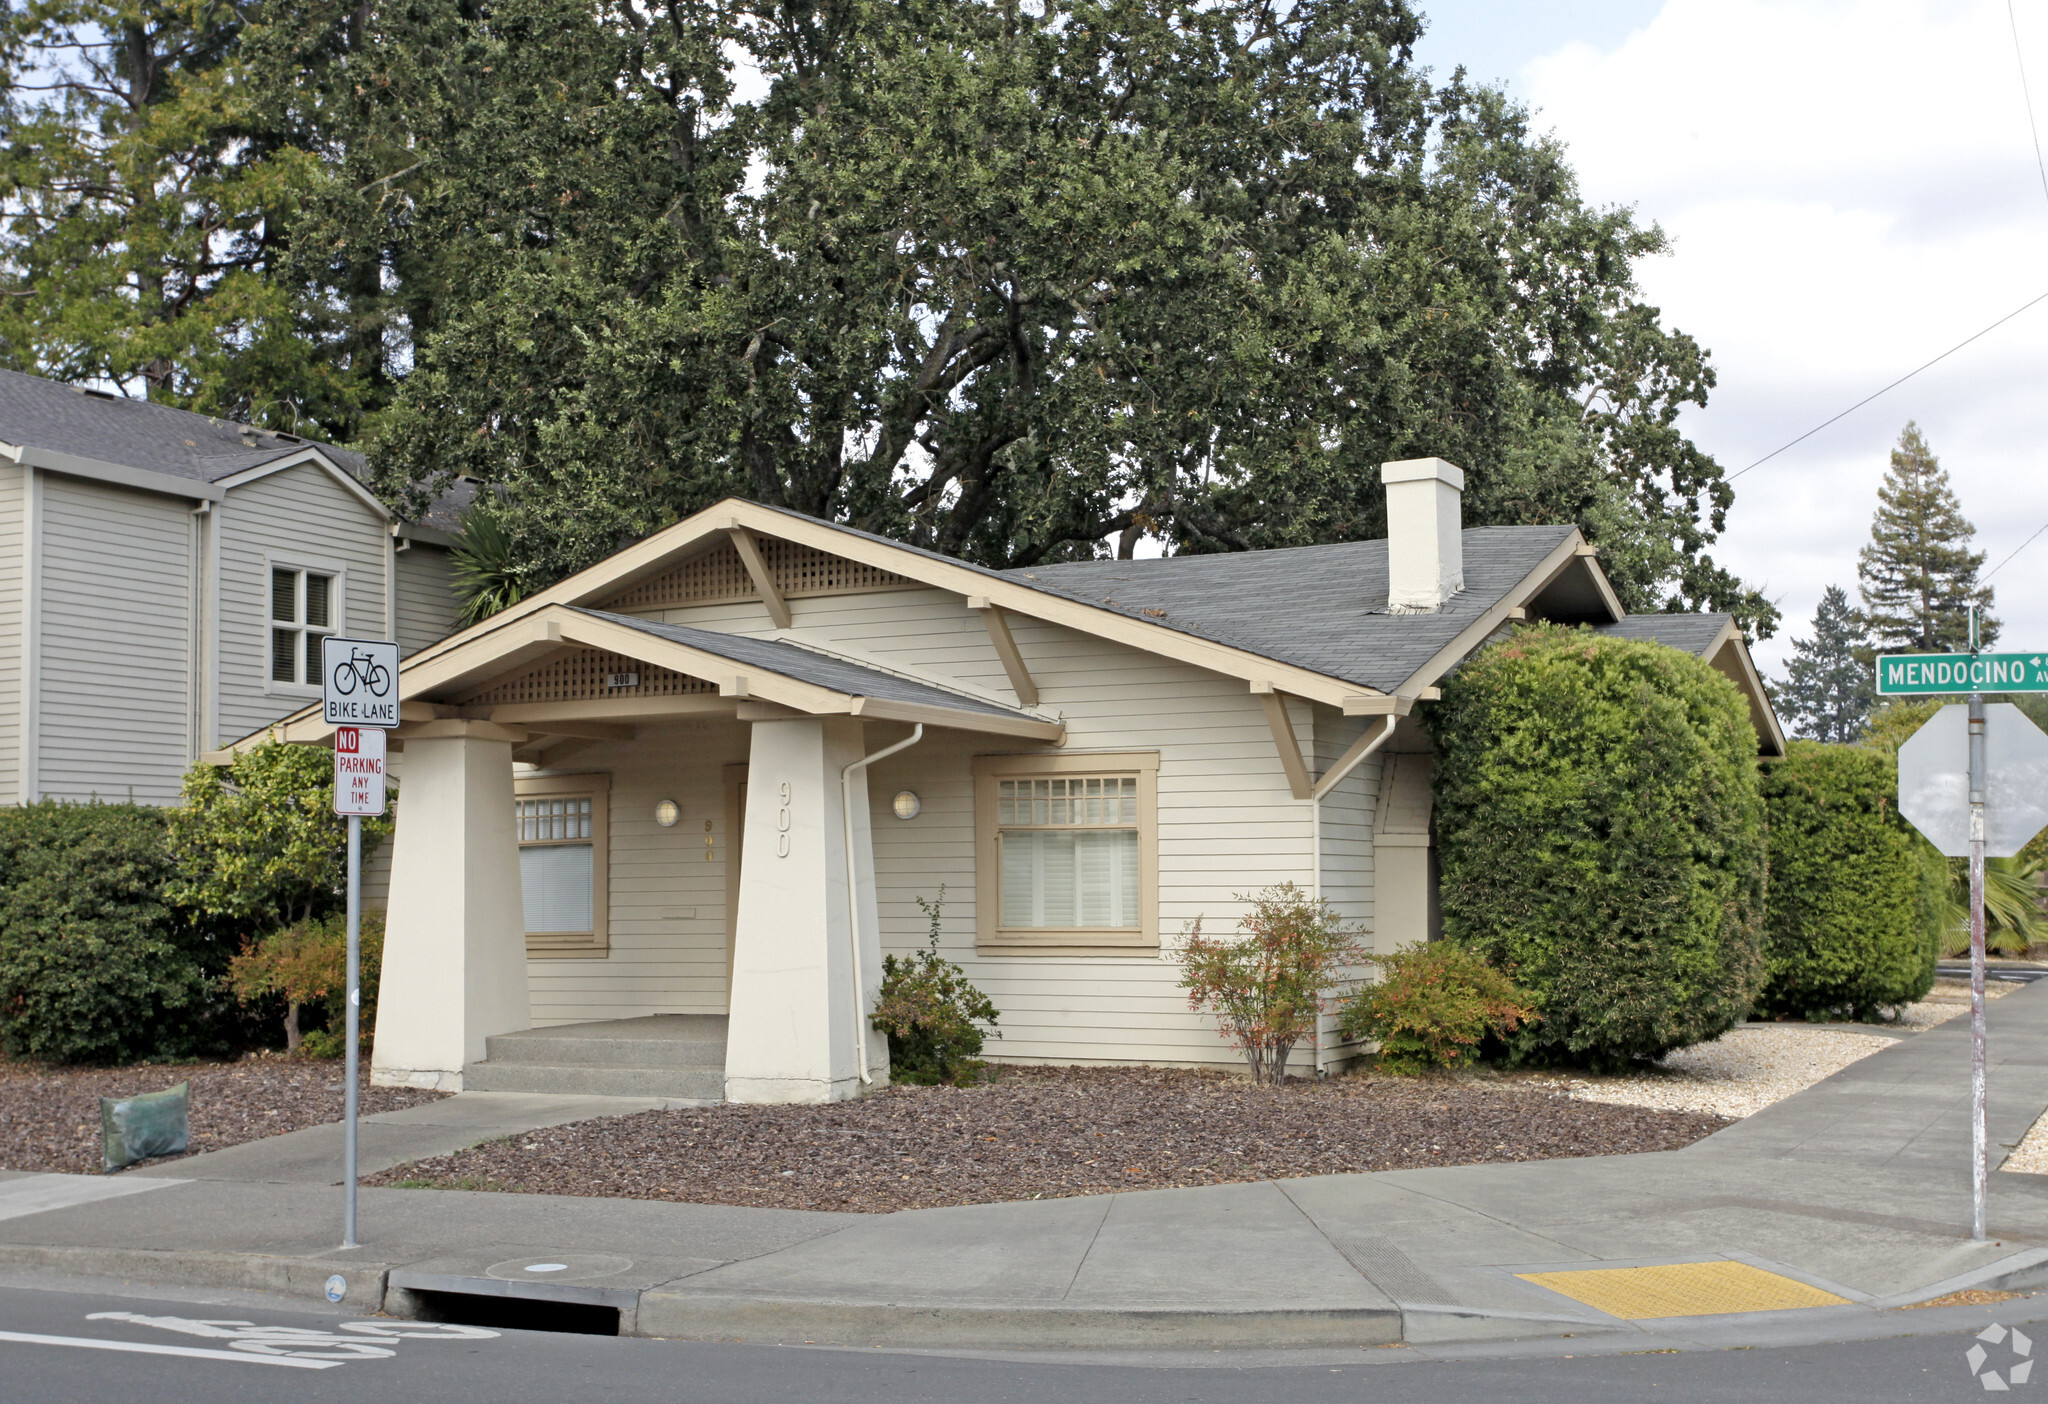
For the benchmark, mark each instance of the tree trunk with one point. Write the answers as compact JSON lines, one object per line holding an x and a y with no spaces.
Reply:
{"x":291,"y":1027}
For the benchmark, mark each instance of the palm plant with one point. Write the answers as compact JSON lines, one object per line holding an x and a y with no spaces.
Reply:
{"x":2012,"y":906}
{"x":486,"y":566}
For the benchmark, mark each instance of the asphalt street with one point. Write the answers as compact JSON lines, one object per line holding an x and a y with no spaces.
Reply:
{"x":71,"y":1343}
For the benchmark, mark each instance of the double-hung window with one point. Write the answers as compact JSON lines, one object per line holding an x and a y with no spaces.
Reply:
{"x":563,"y":877}
{"x":1068,"y":852}
{"x":302,"y":612}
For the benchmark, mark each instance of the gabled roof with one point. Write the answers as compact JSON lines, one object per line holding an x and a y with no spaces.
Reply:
{"x":110,"y":428}
{"x":801,"y":664}
{"x":1318,"y":607}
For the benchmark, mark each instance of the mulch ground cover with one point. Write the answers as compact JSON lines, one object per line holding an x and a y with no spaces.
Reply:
{"x":50,"y":1117}
{"x":1045,"y":1133}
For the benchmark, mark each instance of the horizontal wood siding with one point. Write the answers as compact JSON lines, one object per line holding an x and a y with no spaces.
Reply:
{"x":13,"y":497}
{"x":427,"y":608}
{"x":1227,"y":823}
{"x":301,"y":516}
{"x":667,"y":902}
{"x":116,"y":691}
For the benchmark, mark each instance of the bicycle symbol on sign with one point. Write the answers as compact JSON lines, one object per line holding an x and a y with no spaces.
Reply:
{"x":360,"y":667}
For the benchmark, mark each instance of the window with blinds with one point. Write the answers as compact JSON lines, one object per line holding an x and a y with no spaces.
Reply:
{"x":562,"y":871}
{"x":301,"y":614}
{"x":1069,"y":852}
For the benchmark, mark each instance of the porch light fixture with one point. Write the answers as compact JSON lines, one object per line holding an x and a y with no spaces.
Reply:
{"x":666,"y":812}
{"x":906,"y":805}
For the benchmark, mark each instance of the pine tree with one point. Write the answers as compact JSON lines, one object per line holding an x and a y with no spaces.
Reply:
{"x":1918,"y":575}
{"x":1827,"y":693}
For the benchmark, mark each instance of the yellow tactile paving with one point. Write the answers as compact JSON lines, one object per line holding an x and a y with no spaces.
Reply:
{"x":1683,"y":1289}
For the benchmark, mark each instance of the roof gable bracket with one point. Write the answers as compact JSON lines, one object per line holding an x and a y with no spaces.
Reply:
{"x":1006,"y":648}
{"x":1285,"y":741}
{"x":764,"y":578}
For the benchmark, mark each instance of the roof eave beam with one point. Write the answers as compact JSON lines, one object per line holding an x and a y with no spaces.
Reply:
{"x":1006,"y":648}
{"x":1285,"y":741}
{"x":757,"y":567}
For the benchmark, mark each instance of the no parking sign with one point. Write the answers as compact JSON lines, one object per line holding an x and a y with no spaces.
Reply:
{"x":358,"y":770}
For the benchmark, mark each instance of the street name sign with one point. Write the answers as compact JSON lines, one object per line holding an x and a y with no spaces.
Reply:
{"x":359,"y":681}
{"x":1942,"y":674}
{"x":358,"y":770}
{"x":1934,"y":780}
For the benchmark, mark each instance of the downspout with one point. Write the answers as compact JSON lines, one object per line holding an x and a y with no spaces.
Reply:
{"x":1315,"y":827}
{"x":860,"y":999}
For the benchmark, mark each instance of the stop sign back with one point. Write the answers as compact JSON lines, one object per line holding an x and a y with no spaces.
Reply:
{"x":1934,"y":780}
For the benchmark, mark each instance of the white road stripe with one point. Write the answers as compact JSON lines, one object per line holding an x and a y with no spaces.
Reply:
{"x":150,"y":1348}
{"x":38,"y":1194}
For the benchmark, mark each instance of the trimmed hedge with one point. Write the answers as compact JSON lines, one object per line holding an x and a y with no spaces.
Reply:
{"x":1602,"y":840}
{"x":1856,"y":899}
{"x":94,"y":967}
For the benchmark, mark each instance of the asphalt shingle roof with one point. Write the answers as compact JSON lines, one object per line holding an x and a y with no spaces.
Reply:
{"x":804,"y":665}
{"x":139,"y":434}
{"x":1323,"y":608}
{"x":1695,"y":633}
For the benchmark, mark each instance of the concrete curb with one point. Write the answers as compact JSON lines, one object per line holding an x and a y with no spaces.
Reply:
{"x":709,"y":1317}
{"x":293,"y":1277}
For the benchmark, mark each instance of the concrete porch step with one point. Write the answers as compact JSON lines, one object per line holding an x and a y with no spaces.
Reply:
{"x":659,"y":1055}
{"x":655,"y":1041}
{"x":692,"y":1084}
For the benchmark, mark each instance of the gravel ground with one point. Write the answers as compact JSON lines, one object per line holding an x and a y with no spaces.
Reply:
{"x":1743,"y":1071}
{"x":1946,"y":1000}
{"x":50,"y":1117}
{"x":1046,"y":1133}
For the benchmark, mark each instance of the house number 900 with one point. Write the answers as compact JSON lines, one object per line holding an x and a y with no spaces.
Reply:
{"x":782,"y":825}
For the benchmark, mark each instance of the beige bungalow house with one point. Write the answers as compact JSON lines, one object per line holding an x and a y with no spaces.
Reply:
{"x":661,"y":822}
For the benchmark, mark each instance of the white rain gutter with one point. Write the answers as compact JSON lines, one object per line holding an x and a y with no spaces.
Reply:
{"x":860,"y":999}
{"x":1321,"y":788}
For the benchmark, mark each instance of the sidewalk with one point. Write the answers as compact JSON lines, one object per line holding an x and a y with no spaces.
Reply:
{"x":1858,"y":1187}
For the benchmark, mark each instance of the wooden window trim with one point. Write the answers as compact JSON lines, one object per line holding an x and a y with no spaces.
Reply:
{"x":337,"y":614}
{"x":991,"y":937}
{"x":597,"y":944}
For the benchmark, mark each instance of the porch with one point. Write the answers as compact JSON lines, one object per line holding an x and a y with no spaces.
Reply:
{"x":546,"y":771}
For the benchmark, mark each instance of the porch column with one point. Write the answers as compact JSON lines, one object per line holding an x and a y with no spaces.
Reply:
{"x":455,"y":928}
{"x":793,"y":1020}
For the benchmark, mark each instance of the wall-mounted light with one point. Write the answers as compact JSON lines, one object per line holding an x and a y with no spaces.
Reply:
{"x":906,"y":805}
{"x":666,"y":812}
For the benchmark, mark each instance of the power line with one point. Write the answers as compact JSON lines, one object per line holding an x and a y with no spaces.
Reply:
{"x":2008,"y":560}
{"x":1891,"y":387}
{"x":2019,"y":57}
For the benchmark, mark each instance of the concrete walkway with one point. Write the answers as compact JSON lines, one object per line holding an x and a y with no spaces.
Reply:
{"x":1858,"y":1186}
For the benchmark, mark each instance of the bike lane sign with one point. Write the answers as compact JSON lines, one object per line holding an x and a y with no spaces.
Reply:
{"x":359,"y":681}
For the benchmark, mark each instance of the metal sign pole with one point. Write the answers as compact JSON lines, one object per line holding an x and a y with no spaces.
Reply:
{"x":354,"y":1017}
{"x":1979,"y":1183}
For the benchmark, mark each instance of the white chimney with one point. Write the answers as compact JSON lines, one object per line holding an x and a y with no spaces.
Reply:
{"x":1425,"y":541}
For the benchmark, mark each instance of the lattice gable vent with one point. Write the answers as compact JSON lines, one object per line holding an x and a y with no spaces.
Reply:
{"x":587,"y":673}
{"x":719,"y":575}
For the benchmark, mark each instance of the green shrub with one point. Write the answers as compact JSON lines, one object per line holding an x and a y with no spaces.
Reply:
{"x":307,"y":963}
{"x":94,"y":965}
{"x":931,"y":1012}
{"x":1601,"y":836}
{"x":1269,"y":988}
{"x":1854,"y":913}
{"x":1433,"y":1005}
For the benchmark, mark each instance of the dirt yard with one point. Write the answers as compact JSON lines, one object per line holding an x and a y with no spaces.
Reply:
{"x":50,"y":1117}
{"x":1049,"y":1132}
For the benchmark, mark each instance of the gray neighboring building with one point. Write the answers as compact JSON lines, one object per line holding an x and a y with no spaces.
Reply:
{"x":165,"y":576}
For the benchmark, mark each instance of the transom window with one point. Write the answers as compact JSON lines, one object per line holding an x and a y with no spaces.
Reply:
{"x":301,"y":614}
{"x":1069,"y":852}
{"x":557,"y":866}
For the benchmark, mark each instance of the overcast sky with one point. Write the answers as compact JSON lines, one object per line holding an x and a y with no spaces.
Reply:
{"x":1851,"y":189}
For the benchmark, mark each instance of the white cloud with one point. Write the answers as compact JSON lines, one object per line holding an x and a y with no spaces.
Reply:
{"x":1851,"y":188}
